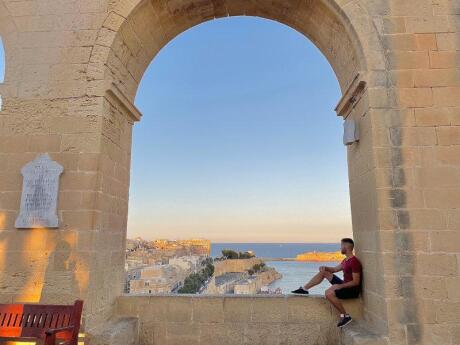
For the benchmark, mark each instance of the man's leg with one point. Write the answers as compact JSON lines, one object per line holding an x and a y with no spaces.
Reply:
{"x":317,"y":279}
{"x":331,"y":297}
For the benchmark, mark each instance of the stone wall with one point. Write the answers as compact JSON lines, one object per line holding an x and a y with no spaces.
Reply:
{"x":230,"y":319}
{"x":254,"y":284}
{"x":415,"y":130}
{"x":72,"y":71}
{"x":236,"y":265}
{"x":73,"y":68}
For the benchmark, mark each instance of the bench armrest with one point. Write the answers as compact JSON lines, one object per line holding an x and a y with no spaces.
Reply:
{"x":59,"y":330}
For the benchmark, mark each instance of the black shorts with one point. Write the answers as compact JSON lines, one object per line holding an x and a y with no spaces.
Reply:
{"x":345,"y":293}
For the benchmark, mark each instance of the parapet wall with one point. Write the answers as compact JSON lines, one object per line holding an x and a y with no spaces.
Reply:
{"x":229,"y":319}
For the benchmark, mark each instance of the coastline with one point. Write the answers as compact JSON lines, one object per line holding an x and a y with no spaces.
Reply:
{"x":296,"y":260}
{"x":276,"y":251}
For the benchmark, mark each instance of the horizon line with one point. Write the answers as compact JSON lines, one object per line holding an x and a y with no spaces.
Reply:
{"x":225,"y":242}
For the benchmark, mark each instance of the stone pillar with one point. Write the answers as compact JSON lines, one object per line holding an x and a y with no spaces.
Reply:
{"x":50,"y":105}
{"x":84,"y":258}
{"x":417,"y":174}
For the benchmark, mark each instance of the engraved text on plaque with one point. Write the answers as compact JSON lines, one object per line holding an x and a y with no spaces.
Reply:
{"x":39,"y":194}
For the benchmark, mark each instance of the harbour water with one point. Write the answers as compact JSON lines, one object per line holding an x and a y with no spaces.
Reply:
{"x":274,"y":250}
{"x":294,"y":273}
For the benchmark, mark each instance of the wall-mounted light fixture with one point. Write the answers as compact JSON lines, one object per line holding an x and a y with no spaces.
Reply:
{"x":350,"y":132}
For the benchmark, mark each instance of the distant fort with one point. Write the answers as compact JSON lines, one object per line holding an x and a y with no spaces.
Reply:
{"x":320,"y":256}
{"x":312,"y":257}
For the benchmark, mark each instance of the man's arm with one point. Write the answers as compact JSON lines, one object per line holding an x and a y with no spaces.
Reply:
{"x":355,"y":282}
{"x":335,"y":269}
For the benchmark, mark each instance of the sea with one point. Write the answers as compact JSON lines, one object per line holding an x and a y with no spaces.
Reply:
{"x":295,"y":273}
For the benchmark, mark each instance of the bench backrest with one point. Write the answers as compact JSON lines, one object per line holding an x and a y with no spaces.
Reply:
{"x":33,"y":320}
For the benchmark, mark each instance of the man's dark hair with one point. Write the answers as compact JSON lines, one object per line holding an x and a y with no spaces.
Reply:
{"x":348,"y":240}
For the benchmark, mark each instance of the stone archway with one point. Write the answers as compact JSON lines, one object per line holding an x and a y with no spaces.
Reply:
{"x":121,"y":52}
{"x":133,"y":48}
{"x":73,"y":68}
{"x":352,"y":48}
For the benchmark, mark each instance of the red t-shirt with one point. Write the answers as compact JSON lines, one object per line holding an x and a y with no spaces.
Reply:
{"x":350,"y":266}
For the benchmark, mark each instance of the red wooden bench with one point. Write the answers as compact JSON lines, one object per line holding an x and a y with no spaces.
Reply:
{"x":41,"y":322}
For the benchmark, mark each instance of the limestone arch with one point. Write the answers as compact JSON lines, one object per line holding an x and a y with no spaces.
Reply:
{"x":134,"y":32}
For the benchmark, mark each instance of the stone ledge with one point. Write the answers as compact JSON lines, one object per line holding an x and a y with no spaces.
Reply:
{"x":351,"y":96}
{"x":128,"y":303}
{"x":116,"y":95}
{"x":218,"y":319}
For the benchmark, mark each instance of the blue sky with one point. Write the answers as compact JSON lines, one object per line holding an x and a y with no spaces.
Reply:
{"x":239,"y":141}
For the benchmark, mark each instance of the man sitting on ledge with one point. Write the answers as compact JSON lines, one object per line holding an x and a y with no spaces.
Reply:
{"x":348,"y":288}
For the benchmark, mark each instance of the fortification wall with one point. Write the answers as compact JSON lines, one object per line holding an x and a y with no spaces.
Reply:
{"x":239,"y":265}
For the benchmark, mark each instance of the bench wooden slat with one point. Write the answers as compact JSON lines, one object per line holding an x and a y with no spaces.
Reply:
{"x":26,"y":321}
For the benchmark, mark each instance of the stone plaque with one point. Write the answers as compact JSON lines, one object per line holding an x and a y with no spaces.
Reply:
{"x":40,"y":189}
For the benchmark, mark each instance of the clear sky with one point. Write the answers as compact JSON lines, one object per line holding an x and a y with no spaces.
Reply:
{"x":239,"y":141}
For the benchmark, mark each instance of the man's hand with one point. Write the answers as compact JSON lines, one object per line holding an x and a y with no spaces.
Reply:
{"x":336,"y":287}
{"x":322,"y":268}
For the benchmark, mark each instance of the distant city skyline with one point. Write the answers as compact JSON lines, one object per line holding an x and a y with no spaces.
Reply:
{"x":239,"y":141}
